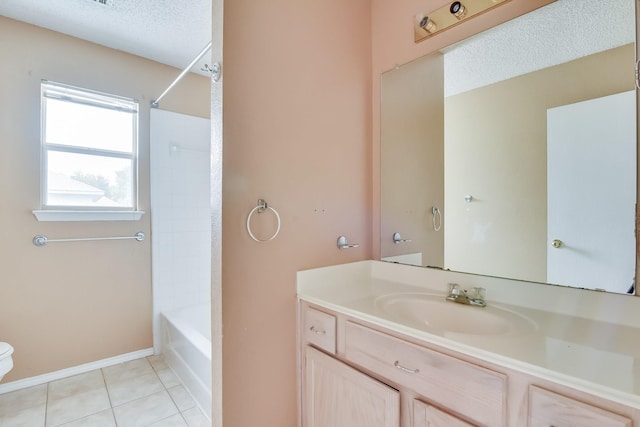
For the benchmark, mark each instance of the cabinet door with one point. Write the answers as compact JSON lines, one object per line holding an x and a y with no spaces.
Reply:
{"x":428,"y":416}
{"x":337,"y":395}
{"x":548,"y":409}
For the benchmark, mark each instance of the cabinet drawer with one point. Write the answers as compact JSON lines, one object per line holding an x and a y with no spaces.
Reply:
{"x":548,"y":409}
{"x":470,"y":390}
{"x":428,"y":416}
{"x":320,"y":329}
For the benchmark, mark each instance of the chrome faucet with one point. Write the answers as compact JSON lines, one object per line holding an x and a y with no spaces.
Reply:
{"x":474,"y":296}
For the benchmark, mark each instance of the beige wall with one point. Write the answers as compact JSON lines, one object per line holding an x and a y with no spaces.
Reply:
{"x":71,"y":303}
{"x":495,"y":150}
{"x":297,"y":131}
{"x":412,"y":158}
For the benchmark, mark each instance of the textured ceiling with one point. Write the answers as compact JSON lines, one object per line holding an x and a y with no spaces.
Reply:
{"x":172,"y":32}
{"x":557,"y":33}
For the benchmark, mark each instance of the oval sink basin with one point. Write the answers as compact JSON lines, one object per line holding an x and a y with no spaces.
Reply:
{"x":438,"y":314}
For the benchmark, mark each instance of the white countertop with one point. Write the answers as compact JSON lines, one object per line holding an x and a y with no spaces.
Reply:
{"x":583,"y":339}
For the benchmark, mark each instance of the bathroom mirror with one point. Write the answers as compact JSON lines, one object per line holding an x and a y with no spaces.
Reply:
{"x":513,"y":153}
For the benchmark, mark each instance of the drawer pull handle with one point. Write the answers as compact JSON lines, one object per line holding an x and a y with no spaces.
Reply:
{"x":317,"y":331}
{"x":405,"y":369}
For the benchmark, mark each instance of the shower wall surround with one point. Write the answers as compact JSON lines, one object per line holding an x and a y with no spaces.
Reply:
{"x":180,"y":212}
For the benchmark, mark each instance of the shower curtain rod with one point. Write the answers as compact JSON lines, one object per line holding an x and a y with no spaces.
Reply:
{"x":155,"y":102}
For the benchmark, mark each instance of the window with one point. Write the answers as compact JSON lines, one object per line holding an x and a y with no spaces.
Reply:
{"x":89,"y":150}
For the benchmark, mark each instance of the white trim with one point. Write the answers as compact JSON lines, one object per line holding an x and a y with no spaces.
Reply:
{"x":90,"y":97}
{"x":74,"y":370}
{"x":56,"y":215}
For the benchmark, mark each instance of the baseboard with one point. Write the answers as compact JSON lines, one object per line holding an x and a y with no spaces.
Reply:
{"x":74,"y":370}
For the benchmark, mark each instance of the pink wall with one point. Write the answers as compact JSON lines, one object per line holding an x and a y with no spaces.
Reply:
{"x":297,"y":132}
{"x":301,"y":130}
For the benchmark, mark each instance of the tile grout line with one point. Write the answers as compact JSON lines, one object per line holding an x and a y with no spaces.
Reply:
{"x":170,"y":395}
{"x":86,"y":415}
{"x":104,"y":381}
{"x":177,"y":407}
{"x":46,"y":405}
{"x":180,"y":412}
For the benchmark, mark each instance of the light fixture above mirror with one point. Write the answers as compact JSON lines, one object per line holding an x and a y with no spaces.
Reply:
{"x":428,"y":24}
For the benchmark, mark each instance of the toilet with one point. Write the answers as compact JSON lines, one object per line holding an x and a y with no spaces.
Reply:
{"x":6,"y":361}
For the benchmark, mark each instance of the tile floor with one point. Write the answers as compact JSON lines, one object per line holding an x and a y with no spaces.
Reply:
{"x":143,"y":392}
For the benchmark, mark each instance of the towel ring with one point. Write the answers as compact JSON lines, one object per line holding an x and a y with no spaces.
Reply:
{"x":261,"y":207}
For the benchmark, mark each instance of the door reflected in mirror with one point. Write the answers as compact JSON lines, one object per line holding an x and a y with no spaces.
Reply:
{"x":513,"y":153}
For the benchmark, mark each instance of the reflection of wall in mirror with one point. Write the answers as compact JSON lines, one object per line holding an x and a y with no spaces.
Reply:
{"x":496,"y":151}
{"x":391,"y":46}
{"x":412,"y":160}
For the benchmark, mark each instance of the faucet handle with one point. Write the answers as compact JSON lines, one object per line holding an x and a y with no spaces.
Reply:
{"x":479,"y":293}
{"x":454,"y":289}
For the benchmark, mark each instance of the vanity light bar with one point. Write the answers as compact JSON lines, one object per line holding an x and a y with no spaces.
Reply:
{"x":428,"y":24}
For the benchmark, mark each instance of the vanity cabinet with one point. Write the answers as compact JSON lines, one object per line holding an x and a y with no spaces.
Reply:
{"x":360,"y":374}
{"x":337,"y":395}
{"x":337,"y":392}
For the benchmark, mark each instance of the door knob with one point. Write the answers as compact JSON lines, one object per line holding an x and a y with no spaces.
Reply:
{"x":556,"y":243}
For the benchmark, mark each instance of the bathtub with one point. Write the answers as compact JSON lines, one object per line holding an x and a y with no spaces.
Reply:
{"x":186,"y":346}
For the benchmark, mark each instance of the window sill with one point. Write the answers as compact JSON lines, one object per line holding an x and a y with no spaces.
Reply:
{"x":55,"y":215}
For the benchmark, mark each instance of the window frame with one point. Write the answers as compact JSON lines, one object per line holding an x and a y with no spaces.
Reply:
{"x":82,"y":96}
